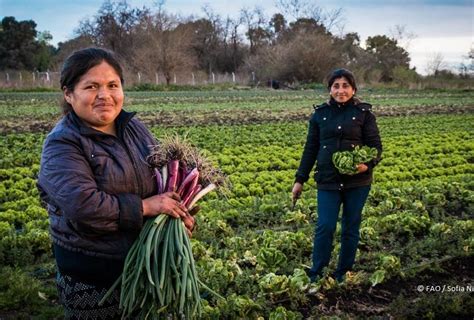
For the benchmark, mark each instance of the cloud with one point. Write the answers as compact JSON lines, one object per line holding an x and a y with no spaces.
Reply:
{"x":404,"y":3}
{"x":453,"y":50}
{"x":423,"y":20}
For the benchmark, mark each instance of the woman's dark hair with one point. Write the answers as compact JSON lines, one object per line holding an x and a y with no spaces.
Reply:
{"x":339,"y":73}
{"x":79,"y":63}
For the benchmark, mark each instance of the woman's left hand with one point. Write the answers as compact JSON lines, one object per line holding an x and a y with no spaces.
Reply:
{"x":362,"y":168}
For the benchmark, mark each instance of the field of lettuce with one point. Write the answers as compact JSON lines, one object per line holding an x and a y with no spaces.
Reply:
{"x":415,"y":257}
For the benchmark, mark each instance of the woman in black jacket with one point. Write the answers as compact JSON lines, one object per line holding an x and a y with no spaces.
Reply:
{"x":338,"y":125}
{"x":96,"y":183}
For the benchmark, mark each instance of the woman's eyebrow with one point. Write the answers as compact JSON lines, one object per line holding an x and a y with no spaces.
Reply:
{"x":96,"y":82}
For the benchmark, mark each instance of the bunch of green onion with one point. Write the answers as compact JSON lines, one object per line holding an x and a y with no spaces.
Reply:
{"x":159,"y":278}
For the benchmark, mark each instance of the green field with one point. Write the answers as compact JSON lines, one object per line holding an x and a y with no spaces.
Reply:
{"x":417,"y":229}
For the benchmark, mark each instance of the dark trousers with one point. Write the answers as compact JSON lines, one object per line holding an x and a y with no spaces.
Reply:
{"x":329,"y":204}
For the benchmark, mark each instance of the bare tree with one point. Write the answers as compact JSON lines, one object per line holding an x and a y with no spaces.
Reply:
{"x":466,"y":69}
{"x":164,"y":47}
{"x":256,"y":24}
{"x":402,"y":35}
{"x":435,"y":63}
{"x":298,"y":9}
{"x":210,"y":39}
{"x":306,"y":57}
{"x":231,"y":56}
{"x":295,"y":8}
{"x":332,"y":20}
{"x":163,"y":20}
{"x":114,"y":27}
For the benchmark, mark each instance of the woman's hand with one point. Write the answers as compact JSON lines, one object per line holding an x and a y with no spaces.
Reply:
{"x":190,"y":221}
{"x":297,"y":189}
{"x":168,"y":203}
{"x":362,"y":168}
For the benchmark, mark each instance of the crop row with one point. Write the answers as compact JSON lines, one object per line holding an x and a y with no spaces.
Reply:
{"x":251,"y":246}
{"x":27,"y":112}
{"x":229,"y":95}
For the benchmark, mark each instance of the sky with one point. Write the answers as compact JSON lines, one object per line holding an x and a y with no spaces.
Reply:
{"x":440,"y":27}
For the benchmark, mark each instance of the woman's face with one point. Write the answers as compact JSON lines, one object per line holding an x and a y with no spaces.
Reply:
{"x":341,"y":90}
{"x":98,"y":97}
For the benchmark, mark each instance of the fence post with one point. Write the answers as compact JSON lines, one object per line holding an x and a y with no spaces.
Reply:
{"x":174,"y":78}
{"x":253,"y":76}
{"x":192,"y":74}
{"x":233,"y":77}
{"x":21,"y":79}
{"x":139,"y":76}
{"x":8,"y":77}
{"x":213,"y":79}
{"x":156,"y":77}
{"x":34,"y":79}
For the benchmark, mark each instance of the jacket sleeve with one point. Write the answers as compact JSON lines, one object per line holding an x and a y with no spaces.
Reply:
{"x":371,"y":137}
{"x":67,"y":181}
{"x":310,"y":152}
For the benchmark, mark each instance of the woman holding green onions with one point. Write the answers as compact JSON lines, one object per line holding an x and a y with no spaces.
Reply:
{"x":341,"y":124}
{"x":96,"y":184}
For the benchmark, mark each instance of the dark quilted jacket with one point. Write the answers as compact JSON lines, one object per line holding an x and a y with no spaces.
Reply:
{"x":93,"y":184}
{"x":332,"y":128}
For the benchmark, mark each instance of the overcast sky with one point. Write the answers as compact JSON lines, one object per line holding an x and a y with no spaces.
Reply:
{"x":440,"y":26}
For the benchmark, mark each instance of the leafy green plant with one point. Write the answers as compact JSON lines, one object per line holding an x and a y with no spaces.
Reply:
{"x":280,"y":313}
{"x":18,"y":289}
{"x":346,"y":161}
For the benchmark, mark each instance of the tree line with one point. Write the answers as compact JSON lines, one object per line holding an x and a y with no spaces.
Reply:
{"x":298,"y":44}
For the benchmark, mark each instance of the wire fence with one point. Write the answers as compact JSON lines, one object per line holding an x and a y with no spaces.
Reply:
{"x":25,"y":79}
{"x":51,"y":79}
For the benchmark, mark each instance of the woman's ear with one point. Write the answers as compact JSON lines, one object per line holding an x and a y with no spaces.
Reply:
{"x":67,"y":94}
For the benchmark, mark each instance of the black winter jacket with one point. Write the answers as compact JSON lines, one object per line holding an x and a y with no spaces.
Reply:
{"x":94,"y":183}
{"x":332,"y":128}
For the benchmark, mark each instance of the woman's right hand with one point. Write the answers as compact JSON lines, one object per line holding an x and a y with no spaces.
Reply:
{"x":297,"y":189}
{"x":168,"y":203}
